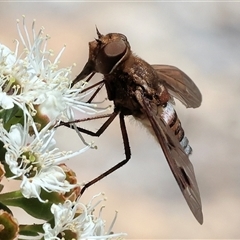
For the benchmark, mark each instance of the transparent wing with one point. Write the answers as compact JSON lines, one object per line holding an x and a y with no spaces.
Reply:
{"x":179,"y":85}
{"x":178,"y":160}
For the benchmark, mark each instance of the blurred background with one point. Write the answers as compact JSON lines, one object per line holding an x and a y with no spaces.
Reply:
{"x":203,"y":40}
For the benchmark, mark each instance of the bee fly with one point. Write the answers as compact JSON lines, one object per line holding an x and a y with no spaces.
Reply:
{"x":146,"y":92}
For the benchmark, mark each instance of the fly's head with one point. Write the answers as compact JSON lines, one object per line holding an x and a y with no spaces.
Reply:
{"x":106,"y":53}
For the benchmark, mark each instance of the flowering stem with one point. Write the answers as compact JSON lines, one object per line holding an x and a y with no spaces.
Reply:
{"x":35,"y":95}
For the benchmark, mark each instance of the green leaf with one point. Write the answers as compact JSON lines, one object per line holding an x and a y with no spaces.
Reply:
{"x":2,"y":153}
{"x":31,"y":230}
{"x":11,"y":116}
{"x":5,"y":208}
{"x":32,"y":206}
{"x":52,"y":197}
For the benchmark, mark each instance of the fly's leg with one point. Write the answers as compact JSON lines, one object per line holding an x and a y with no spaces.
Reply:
{"x":120,"y":164}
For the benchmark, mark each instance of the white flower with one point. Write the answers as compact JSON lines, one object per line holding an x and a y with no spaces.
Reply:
{"x":5,"y":101}
{"x":35,"y":95}
{"x":35,"y":160}
{"x":76,"y":221}
{"x":7,"y":61}
{"x":36,"y":85}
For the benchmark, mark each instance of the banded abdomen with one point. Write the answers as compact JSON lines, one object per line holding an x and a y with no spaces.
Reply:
{"x":169,"y":116}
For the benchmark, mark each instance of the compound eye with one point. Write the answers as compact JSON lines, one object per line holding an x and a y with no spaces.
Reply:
{"x":115,"y":48}
{"x":110,"y":55}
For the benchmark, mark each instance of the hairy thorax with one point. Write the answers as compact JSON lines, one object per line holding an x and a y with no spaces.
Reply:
{"x":122,"y":83}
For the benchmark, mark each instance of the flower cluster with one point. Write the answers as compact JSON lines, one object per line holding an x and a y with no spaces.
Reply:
{"x":76,"y":220}
{"x":35,"y":96}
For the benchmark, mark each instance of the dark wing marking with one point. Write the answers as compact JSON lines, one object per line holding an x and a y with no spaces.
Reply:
{"x":179,"y":85}
{"x":178,"y":161}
